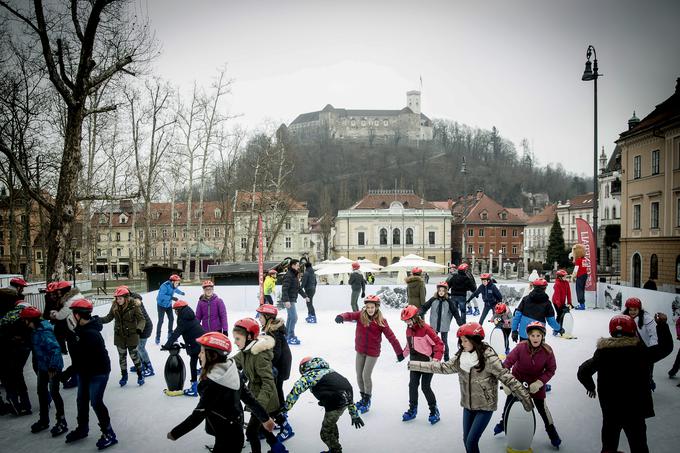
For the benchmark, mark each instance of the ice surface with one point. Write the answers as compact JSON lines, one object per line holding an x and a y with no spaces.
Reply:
{"x":142,"y":416}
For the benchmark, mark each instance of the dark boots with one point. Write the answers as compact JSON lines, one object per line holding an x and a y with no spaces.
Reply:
{"x":554,"y":437}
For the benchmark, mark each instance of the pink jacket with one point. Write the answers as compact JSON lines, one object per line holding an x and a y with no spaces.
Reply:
{"x":423,"y":343}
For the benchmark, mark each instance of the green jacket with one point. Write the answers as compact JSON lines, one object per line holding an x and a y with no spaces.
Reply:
{"x":415,"y":290}
{"x":256,"y":361}
{"x":129,"y":323}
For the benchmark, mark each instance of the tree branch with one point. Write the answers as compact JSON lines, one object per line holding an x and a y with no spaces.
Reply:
{"x":74,"y":18}
{"x":24,"y":181}
{"x":108,"y":72}
{"x":62,"y":68}
{"x":108,"y":108}
{"x":20,"y":16}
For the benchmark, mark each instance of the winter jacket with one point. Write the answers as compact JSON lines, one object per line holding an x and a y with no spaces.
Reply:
{"x":478,"y":389}
{"x":582,"y":268}
{"x":677,"y":328}
{"x":534,"y":307}
{"x":443,"y":311}
{"x":148,"y":324}
{"x":88,"y":351}
{"x":290,"y":287}
{"x":282,"y":358}
{"x":503,"y":320}
{"x":623,"y":366}
{"x":212,"y":314}
{"x":529,"y":364}
{"x":367,"y":339}
{"x":15,"y":336}
{"x":8,"y":298}
{"x":331,"y":389}
{"x":356,"y":281}
{"x":165,"y":294}
{"x":561,"y":292}
{"x":221,"y":394}
{"x":309,"y":280}
{"x":489,"y":292}
{"x":646,"y":328}
{"x":129,"y":323}
{"x":64,"y":316}
{"x":188,"y":328}
{"x":256,"y":362}
{"x":269,"y":285}
{"x":46,"y":350}
{"x":423,"y":343}
{"x":459,"y":284}
{"x":415,"y":290}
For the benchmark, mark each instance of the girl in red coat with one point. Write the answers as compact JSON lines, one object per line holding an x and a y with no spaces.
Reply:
{"x":533,"y":363}
{"x":561,"y":296}
{"x":424,"y":345}
{"x":371,"y":325}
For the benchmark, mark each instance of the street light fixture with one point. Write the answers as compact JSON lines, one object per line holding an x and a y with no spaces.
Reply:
{"x":463,"y":171}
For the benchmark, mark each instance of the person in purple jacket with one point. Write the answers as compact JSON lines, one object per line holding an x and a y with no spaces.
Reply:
{"x":210,"y":311}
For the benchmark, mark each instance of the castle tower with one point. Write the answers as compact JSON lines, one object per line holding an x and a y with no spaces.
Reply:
{"x":413,"y":100}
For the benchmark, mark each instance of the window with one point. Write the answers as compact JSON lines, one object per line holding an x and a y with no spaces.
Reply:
{"x":153,"y":251}
{"x":654,"y":267}
{"x":383,"y":236}
{"x":206,"y":233}
{"x":409,"y":236}
{"x":129,"y":236}
{"x":514,"y":233}
{"x":471,"y":232}
{"x":386,"y":123}
{"x":302,"y":225}
{"x":353,"y":123}
{"x":184,"y":233}
{"x":636,"y":217}
{"x":289,"y":242}
{"x":141,"y":252}
{"x":361,"y":238}
{"x":484,"y":215}
{"x":141,"y":235}
{"x":123,"y":219}
{"x":514,"y":250}
{"x":305,"y":244}
{"x":470,"y":249}
{"x":363,"y":122}
{"x":117,"y":237}
{"x":614,"y":212}
{"x":2,"y":250}
{"x":244,"y":242}
{"x":588,"y":218}
{"x":217,"y":233}
{"x":504,"y":233}
{"x":677,"y":212}
{"x":606,"y":190}
{"x":504,"y":215}
{"x":119,"y":252}
{"x":174,"y":251}
{"x":396,"y":236}
{"x":654,"y":216}
{"x":165,"y":233}
{"x":637,"y":167}
{"x":606,"y":213}
{"x":38,"y":254}
{"x":432,"y":258}
{"x":431,"y":237}
{"x":153,"y":234}
{"x":480,"y":250}
{"x":504,"y":249}
{"x":287,"y":224}
{"x":165,"y":250}
{"x":481,"y":233}
{"x":656,"y":160}
{"x":218,"y":213}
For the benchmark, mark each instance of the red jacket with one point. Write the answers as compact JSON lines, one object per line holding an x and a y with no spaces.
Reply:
{"x":423,"y":343}
{"x":582,"y":269}
{"x":561,"y":290}
{"x":367,"y":339}
{"x":528,"y":365}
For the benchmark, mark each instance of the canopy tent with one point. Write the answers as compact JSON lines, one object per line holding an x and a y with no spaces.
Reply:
{"x":343,"y":265}
{"x":408,"y":262}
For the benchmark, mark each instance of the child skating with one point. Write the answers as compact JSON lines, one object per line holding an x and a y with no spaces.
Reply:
{"x":444,"y":310}
{"x":490,"y":293}
{"x":502,"y":319}
{"x":561,"y":296}
{"x":189,"y":329}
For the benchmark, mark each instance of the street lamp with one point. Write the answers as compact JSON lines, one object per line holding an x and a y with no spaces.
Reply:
{"x":473,"y":261}
{"x":590,"y":73}
{"x":490,"y":261}
{"x":500,"y":262}
{"x":463,"y":171}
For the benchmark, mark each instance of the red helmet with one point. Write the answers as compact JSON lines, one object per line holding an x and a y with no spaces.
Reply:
{"x":536,"y":325}
{"x":561,"y":273}
{"x":175,"y":278}
{"x":303,"y":362}
{"x":267,"y":309}
{"x":471,"y":329}
{"x":207,"y":283}
{"x":356,"y":265}
{"x":500,"y":308}
{"x":82,"y":305}
{"x":373,"y":299}
{"x":452,"y":267}
{"x":409,"y":312}
{"x":215,"y":341}
{"x":121,"y":291}
{"x":539,"y":283}
{"x":62,"y":284}
{"x":18,"y":282}
{"x":51,"y":287}
{"x":250,"y":325}
{"x":416,"y":271}
{"x":30,"y":312}
{"x":272,"y":272}
{"x":179,"y":304}
{"x":485,"y":276}
{"x":634,"y":302}
{"x":621,"y":325}
{"x":463,"y":267}
{"x":442,"y":285}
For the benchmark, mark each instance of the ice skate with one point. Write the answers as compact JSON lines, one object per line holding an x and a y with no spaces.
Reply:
{"x":76,"y":434}
{"x":410,"y":414}
{"x":434,"y":415}
{"x":108,"y":439}
{"x":40,"y":425}
{"x":59,"y":428}
{"x":123,"y":380}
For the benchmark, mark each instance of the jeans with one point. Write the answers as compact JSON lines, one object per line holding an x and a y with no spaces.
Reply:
{"x":355,"y":300}
{"x":539,"y":404}
{"x":460,"y":300}
{"x":474,"y":424}
{"x":291,"y":320}
{"x":635,"y":429}
{"x":164,"y":311}
{"x":91,"y":392}
{"x":416,"y":378}
{"x":485,"y":311}
{"x":49,"y":388}
{"x":364,"y":365}
{"x":310,"y":304}
{"x":141,"y":351}
{"x":581,"y":288}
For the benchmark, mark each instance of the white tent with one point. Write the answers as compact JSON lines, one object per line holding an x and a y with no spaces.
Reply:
{"x":408,"y":262}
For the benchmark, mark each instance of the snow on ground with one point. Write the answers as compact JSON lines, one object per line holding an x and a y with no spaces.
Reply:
{"x":141,"y":416}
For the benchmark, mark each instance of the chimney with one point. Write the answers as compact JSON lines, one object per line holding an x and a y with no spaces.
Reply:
{"x":480,"y":194}
{"x":450,"y":203}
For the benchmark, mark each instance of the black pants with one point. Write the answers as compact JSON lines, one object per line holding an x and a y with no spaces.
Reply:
{"x":424,"y":380}
{"x":676,"y":364}
{"x":193,"y":366}
{"x":634,"y":428}
{"x":49,"y":388}
{"x":91,"y":393}
{"x":310,"y":304}
{"x":561,"y":311}
{"x":12,"y":375}
{"x":268,"y":299}
{"x":485,"y":311}
{"x":164,"y":311}
{"x":229,"y":439}
{"x":253,"y":435}
{"x":279,"y":389}
{"x":445,"y":339}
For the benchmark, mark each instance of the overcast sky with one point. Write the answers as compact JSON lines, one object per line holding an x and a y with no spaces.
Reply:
{"x":513,"y":64}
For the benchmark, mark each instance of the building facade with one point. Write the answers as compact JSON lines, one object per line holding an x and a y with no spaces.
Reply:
{"x":408,"y":124}
{"x":537,"y":234}
{"x":650,"y":197}
{"x":578,"y":207}
{"x":609,"y":212}
{"x":388,"y":224}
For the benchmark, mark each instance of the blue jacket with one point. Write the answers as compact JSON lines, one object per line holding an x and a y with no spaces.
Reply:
{"x":534,"y":307}
{"x":490,"y":294}
{"x":166,"y":293}
{"x":46,"y":350}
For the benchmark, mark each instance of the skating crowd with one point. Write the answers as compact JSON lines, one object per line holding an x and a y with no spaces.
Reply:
{"x":224,"y":380}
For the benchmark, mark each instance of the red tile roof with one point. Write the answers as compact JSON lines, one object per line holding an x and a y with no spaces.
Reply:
{"x":581,"y":201}
{"x":547,"y":215}
{"x":480,"y":204}
{"x":244,"y":200}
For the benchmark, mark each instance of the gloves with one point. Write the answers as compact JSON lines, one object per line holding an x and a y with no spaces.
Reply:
{"x":507,"y":390}
{"x":339,"y":319}
{"x":400,"y":357}
{"x":515,"y":336}
{"x":357,"y":422}
{"x":535,"y":386}
{"x":528,"y":404}
{"x":570,"y":306}
{"x":362,"y":296}
{"x":561,"y":330}
{"x":175,"y":299}
{"x":591,"y":393}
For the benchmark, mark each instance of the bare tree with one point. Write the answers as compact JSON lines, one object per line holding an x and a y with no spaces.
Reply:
{"x":225,"y":183}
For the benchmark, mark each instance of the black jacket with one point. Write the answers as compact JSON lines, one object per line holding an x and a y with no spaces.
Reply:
{"x":536,"y":305}
{"x":88,"y":350}
{"x":148,"y":324}
{"x":188,"y":328}
{"x":459,"y":284}
{"x":309,"y":280}
{"x":282,"y":356}
{"x":333,"y":391}
{"x":291,"y":287}
{"x":357,"y":281}
{"x":623,"y":366}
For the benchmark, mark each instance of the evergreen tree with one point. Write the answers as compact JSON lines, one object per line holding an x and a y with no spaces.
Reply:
{"x":556,"y":249}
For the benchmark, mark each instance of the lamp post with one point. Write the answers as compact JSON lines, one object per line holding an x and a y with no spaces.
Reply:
{"x":590,"y":73}
{"x":473,"y":261}
{"x":500,"y":262}
{"x":490,"y":261}
{"x":463,"y":171}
